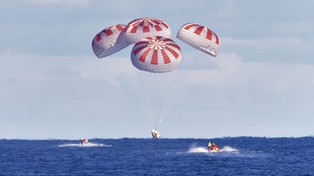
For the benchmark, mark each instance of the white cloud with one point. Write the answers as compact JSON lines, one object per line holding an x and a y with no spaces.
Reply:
{"x":253,"y":89}
{"x":266,"y":44}
{"x":59,"y":88}
{"x":61,"y":2}
{"x":232,"y":70}
{"x":108,"y":69}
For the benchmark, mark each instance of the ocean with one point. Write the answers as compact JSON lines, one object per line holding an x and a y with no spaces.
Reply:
{"x":135,"y":156}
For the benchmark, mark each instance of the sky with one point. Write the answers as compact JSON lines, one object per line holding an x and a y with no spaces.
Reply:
{"x":52,"y":86}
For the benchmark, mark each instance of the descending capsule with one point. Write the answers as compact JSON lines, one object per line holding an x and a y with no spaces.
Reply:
{"x":140,"y":28}
{"x":156,"y":54}
{"x":109,"y":41}
{"x":200,"y":37}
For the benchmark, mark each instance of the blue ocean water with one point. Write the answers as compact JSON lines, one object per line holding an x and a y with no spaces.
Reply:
{"x":132,"y":156}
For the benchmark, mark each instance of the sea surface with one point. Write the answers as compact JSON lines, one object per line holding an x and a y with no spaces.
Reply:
{"x":134,"y":156}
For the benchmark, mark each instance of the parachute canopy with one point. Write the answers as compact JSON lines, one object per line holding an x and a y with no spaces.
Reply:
{"x":156,"y":54}
{"x":200,"y":37}
{"x":140,"y":28}
{"x":109,"y":41}
{"x":154,"y":51}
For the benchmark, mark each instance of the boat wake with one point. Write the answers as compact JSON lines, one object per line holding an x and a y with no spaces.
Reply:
{"x":195,"y":149}
{"x":228,"y":149}
{"x":198,"y":150}
{"x":84,"y":145}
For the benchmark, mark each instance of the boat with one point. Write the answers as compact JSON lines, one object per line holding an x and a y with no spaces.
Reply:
{"x":212,"y":147}
{"x":83,"y":141}
{"x":217,"y":149}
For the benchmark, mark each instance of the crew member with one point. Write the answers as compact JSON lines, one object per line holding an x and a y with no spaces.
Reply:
{"x":209,"y":146}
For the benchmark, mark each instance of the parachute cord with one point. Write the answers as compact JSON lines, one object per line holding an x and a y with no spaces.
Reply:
{"x":147,"y":106}
{"x":160,"y":93}
{"x":175,"y":91}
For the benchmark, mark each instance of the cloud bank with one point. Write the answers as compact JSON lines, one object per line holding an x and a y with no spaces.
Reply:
{"x":83,"y":3}
{"x":47,"y":89}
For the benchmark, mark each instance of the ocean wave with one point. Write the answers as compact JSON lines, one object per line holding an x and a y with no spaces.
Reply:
{"x":84,"y":145}
{"x":195,"y":149}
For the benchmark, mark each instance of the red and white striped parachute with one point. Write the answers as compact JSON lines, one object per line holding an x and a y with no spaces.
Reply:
{"x":200,"y":37}
{"x":156,"y":54}
{"x":109,"y":41}
{"x":154,"y":51}
{"x":140,"y":28}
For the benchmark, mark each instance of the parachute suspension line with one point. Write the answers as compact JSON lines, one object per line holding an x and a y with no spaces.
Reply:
{"x":148,"y":105}
{"x":165,"y":84}
{"x":156,"y":94}
{"x":160,"y":93}
{"x":173,"y":92}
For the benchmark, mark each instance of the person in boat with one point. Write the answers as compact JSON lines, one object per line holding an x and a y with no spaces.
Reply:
{"x":209,"y":146}
{"x":213,"y":147}
{"x":83,"y":141}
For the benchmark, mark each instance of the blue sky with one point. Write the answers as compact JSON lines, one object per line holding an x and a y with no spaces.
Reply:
{"x":53,"y":86}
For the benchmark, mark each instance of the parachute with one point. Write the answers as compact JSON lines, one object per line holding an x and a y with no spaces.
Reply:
{"x":117,"y":37}
{"x":200,"y":37}
{"x":109,"y":41}
{"x":141,"y":28}
{"x":156,"y":54}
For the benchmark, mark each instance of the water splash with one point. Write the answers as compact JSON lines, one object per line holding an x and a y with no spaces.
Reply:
{"x":198,"y":150}
{"x":195,"y":149}
{"x":84,"y":145}
{"x":228,"y":149}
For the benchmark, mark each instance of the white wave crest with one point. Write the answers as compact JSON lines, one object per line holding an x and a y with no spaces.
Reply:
{"x":195,"y":149}
{"x":84,"y":145}
{"x":198,"y":150}
{"x":228,"y":149}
